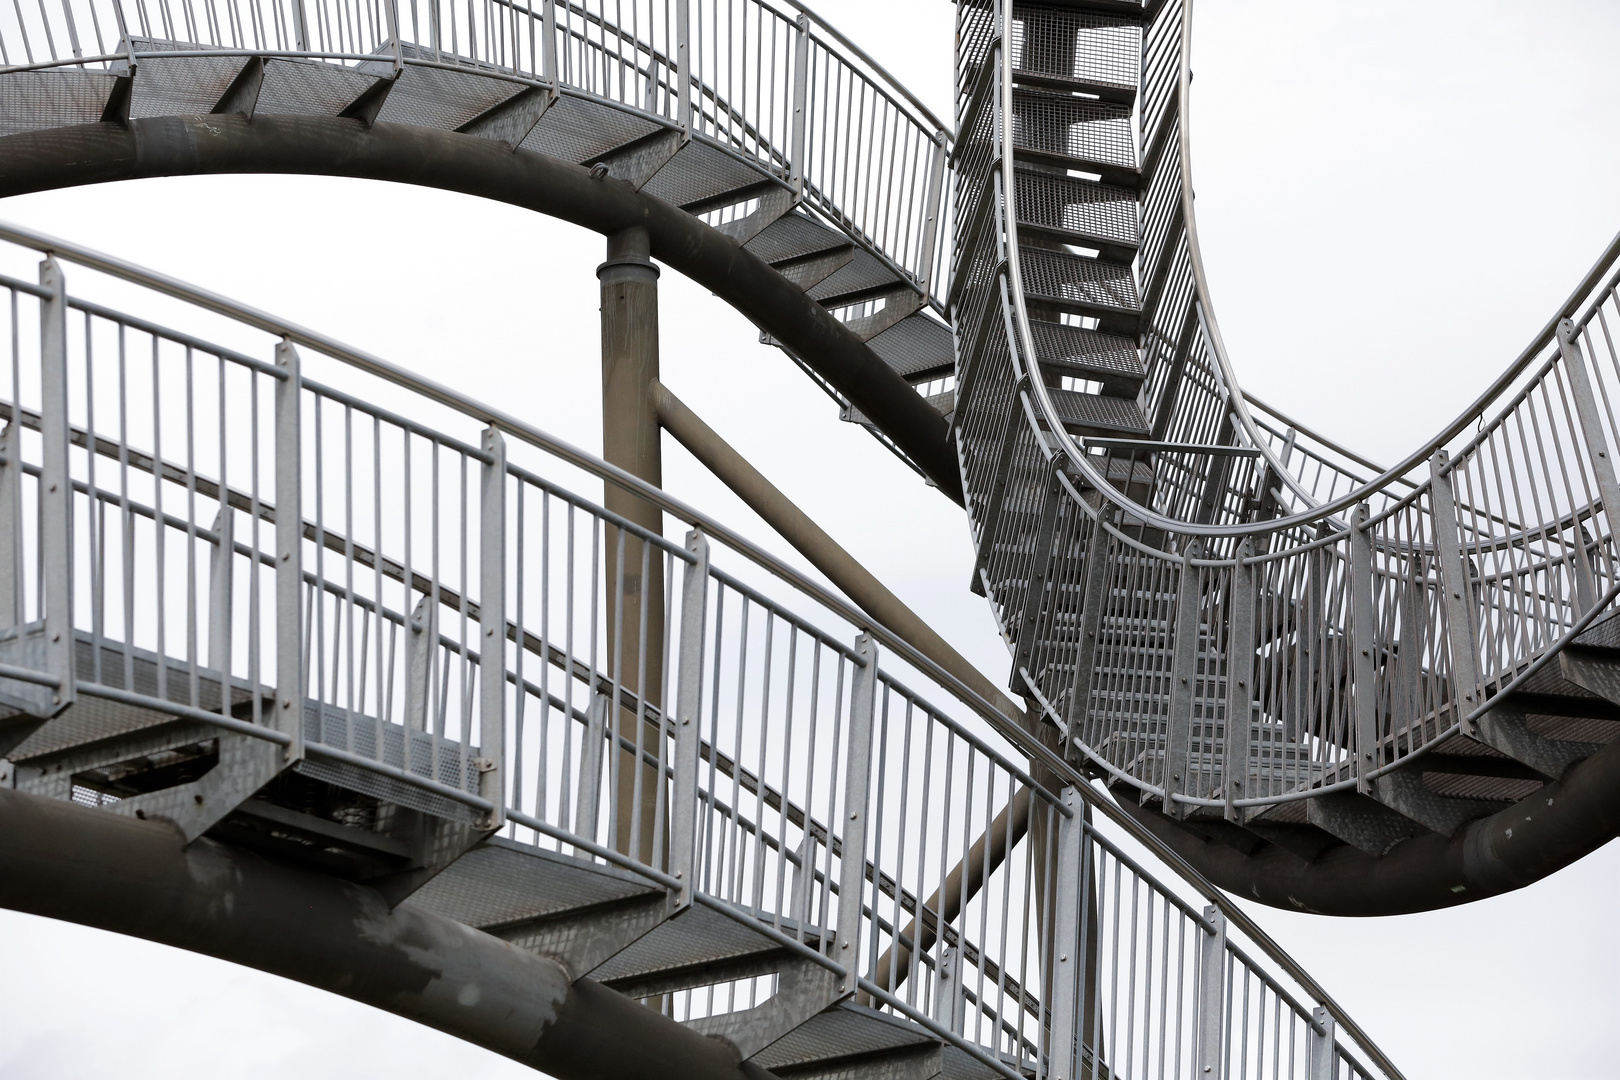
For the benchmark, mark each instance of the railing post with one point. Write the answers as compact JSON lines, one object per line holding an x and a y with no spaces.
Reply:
{"x":11,"y":591}
{"x":1093,"y":604}
{"x":1040,"y":567}
{"x":1239,"y":670}
{"x":936,"y":198}
{"x":289,"y":552}
{"x":56,"y":484}
{"x":1363,"y":639}
{"x":1456,"y":593}
{"x":1320,"y":1054}
{"x":492,"y":628}
{"x":857,"y":802}
{"x":391,"y":8}
{"x":1212,"y":996}
{"x":688,"y":711}
{"x":221,"y":582}
{"x":1586,"y":407}
{"x":1183,"y":670}
{"x":300,"y":26}
{"x":1067,"y":965}
{"x":548,"y":45}
{"x":801,"y":98}
{"x":683,"y":66}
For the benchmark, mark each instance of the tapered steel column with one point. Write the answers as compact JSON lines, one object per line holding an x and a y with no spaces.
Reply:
{"x":635,"y":575}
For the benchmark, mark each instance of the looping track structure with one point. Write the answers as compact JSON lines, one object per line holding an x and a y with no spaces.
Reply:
{"x":1344,"y":687}
{"x":284,"y":623}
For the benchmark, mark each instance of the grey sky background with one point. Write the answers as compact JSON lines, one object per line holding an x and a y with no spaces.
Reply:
{"x":1393,"y":197}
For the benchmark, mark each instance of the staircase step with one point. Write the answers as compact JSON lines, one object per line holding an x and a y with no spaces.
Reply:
{"x":700,"y":936}
{"x":864,"y":277}
{"x":916,"y":347}
{"x":574,"y":129}
{"x":309,"y":88}
{"x":501,"y":882}
{"x":1081,"y":211}
{"x":179,"y":85}
{"x":37,"y":100}
{"x":699,"y":174}
{"x":1075,"y":133}
{"x":1084,"y":413}
{"x":1075,"y":50}
{"x":1072,"y":350}
{"x":1080,"y":285}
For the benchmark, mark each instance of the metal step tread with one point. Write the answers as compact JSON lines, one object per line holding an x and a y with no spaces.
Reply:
{"x":501,"y":882}
{"x":1078,"y":282}
{"x":916,"y":346}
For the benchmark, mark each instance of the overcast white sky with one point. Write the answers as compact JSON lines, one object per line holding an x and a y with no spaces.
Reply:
{"x":1393,"y":197}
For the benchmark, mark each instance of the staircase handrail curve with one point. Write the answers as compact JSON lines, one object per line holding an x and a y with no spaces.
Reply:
{"x":1010,"y":728}
{"x":1586,"y":293}
{"x":902,"y":178}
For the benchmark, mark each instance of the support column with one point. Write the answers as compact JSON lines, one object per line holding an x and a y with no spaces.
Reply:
{"x":635,"y":583}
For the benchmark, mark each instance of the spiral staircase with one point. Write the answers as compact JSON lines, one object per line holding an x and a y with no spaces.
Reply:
{"x":448,"y":762}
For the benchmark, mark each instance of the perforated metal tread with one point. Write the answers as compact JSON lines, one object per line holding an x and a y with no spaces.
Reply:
{"x":583,"y":131}
{"x":1074,"y":282}
{"x":92,"y":719}
{"x":37,"y":100}
{"x":501,"y":882}
{"x":1074,"y":49}
{"x":699,"y":935}
{"x":841,"y":1032}
{"x":1067,"y":129}
{"x":916,"y":346}
{"x":794,"y":236}
{"x":308,"y":88}
{"x":864,"y":276}
{"x":1098,"y":411}
{"x":1070,"y":348}
{"x":1083,"y":209}
{"x":699,"y":173}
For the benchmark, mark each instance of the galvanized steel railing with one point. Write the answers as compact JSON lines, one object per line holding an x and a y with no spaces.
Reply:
{"x":443,"y":613}
{"x":1237,"y":590}
{"x":764,"y":81}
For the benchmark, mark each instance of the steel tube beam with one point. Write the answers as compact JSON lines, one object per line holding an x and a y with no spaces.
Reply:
{"x":139,"y":878}
{"x":635,"y":572}
{"x":811,"y":540}
{"x":333,"y":146}
{"x":1508,"y":850}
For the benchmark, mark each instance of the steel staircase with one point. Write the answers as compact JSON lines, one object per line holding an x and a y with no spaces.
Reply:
{"x":1164,"y":557}
{"x":799,"y":855}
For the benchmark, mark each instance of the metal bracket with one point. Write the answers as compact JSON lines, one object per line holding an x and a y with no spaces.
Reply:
{"x":804,"y":988}
{"x":245,"y":766}
{"x":773,"y":204}
{"x":242,"y":96}
{"x":897,"y":304}
{"x":371,"y":101}
{"x":1503,"y":728}
{"x":1319,"y":1055}
{"x":808,"y":271}
{"x":584,"y":939}
{"x":919,"y":1061}
{"x":1360,"y":822}
{"x":510,"y":121}
{"x":638,"y":162}
{"x":1402,"y":790}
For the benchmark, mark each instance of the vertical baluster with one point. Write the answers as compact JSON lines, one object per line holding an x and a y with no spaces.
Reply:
{"x":56,"y":488}
{"x":1066,"y":965}
{"x":1211,"y":995}
{"x":1240,"y":665}
{"x":1319,"y":1058}
{"x":11,"y":592}
{"x":1363,"y":642}
{"x":492,"y":624}
{"x":857,"y":799}
{"x":289,"y":551}
{"x":1456,"y":592}
{"x":688,"y":716}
